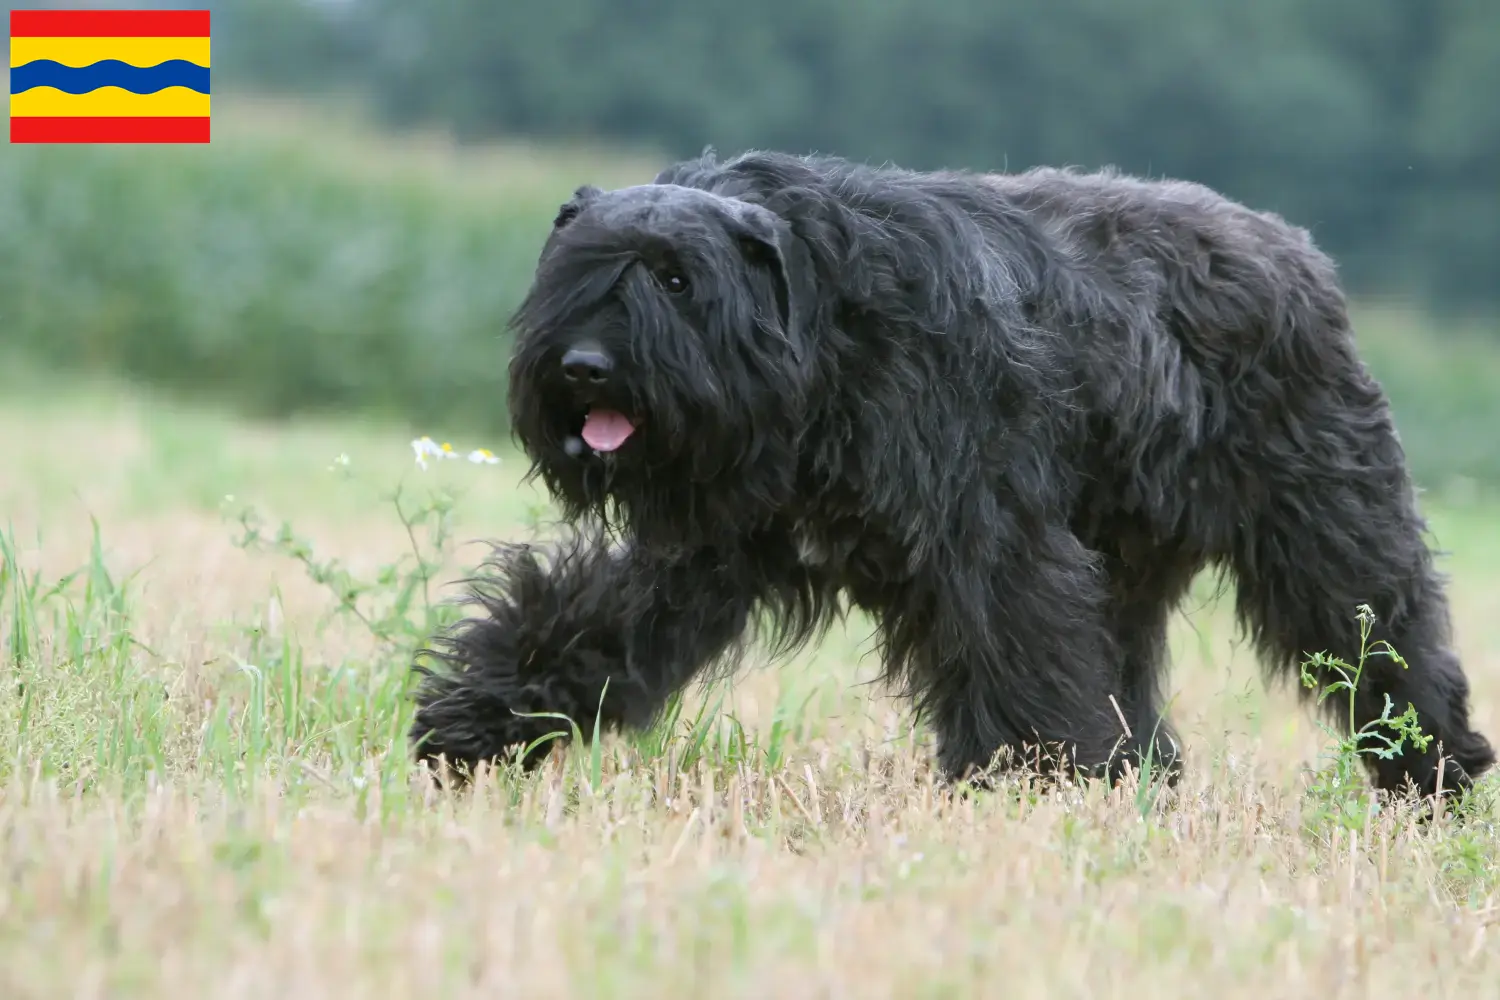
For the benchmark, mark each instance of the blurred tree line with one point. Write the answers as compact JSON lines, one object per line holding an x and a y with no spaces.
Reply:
{"x":1375,"y":123}
{"x":278,"y":274}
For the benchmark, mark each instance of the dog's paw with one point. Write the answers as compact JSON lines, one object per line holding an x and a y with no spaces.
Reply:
{"x":541,"y":648}
{"x":478,"y":713}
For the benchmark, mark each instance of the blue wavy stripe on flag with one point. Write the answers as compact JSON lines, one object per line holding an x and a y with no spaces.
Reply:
{"x":109,"y":73}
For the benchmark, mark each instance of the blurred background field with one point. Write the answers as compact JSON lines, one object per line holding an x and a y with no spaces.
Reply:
{"x":203,"y":787}
{"x":306,"y":263}
{"x":369,"y":210}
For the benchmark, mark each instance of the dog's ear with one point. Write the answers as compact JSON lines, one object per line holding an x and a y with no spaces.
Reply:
{"x":570,"y":209}
{"x":767,"y":241}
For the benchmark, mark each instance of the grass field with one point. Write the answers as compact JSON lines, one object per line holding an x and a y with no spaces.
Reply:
{"x":203,"y":789}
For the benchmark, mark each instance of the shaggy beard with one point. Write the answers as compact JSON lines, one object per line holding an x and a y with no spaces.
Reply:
{"x":690,"y":476}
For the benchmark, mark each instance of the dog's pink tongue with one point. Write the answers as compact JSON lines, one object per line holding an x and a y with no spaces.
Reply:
{"x":606,"y":430}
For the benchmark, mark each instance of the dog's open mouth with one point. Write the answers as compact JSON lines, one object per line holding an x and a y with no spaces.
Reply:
{"x":606,"y":430}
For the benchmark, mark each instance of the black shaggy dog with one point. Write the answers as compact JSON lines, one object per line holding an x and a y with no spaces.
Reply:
{"x":1011,"y":417}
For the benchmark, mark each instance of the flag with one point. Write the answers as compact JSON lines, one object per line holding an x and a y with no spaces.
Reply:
{"x":109,"y":76}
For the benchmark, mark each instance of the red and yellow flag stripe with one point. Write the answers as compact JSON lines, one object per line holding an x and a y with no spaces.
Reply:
{"x":109,"y":76}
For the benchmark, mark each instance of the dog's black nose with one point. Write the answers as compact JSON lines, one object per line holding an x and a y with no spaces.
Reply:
{"x":586,"y":366}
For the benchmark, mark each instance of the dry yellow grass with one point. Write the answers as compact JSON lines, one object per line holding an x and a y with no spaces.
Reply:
{"x":169,"y":828}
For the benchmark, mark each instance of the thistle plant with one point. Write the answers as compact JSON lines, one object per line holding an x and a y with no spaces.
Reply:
{"x":1338,"y":793}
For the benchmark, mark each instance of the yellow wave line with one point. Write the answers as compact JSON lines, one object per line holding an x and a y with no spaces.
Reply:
{"x":109,"y":102}
{"x":83,"y":51}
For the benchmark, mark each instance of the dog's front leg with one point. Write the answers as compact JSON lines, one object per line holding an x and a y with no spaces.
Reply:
{"x":1012,"y":655}
{"x":555,"y":632}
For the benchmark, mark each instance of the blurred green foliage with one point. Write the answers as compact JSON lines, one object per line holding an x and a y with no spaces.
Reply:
{"x":282,"y":276}
{"x":1442,"y":378}
{"x":1372,"y":122}
{"x":265,"y":275}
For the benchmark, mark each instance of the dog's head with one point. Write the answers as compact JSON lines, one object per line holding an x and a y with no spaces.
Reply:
{"x":662,"y":364}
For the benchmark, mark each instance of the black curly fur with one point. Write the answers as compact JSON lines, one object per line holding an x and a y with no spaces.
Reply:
{"x":1011,"y":417}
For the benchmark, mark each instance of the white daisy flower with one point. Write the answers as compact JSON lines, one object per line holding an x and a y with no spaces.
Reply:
{"x":426,"y":447}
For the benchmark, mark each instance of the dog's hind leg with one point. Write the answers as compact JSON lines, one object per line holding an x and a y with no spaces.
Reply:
{"x":1330,"y":523}
{"x":554,"y":634}
{"x":1145,"y":590}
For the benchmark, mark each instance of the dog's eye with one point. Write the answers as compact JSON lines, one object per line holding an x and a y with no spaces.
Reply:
{"x":673,"y":281}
